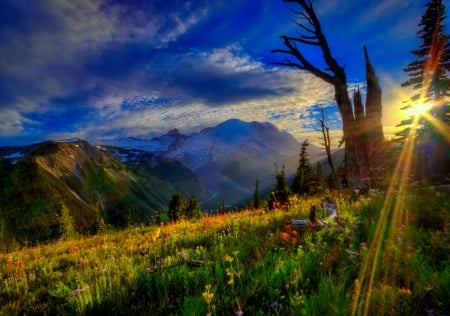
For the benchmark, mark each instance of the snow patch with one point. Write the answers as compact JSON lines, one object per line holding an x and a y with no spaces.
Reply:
{"x":69,"y":140}
{"x":14,"y":156}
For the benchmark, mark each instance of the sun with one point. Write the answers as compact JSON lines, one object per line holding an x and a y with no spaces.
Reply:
{"x":418,"y":108}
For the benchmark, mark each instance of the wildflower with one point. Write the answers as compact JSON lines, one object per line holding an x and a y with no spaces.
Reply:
{"x":207,"y":295}
{"x":287,"y":228}
{"x":275,"y":304}
{"x":239,"y":313}
{"x":294,"y":233}
{"x":405,"y":291}
{"x":231,"y":276}
{"x":285,"y":236}
{"x":228,"y":258}
{"x":429,"y":311}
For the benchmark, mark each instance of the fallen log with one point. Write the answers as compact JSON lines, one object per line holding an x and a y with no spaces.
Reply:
{"x":314,"y":222}
{"x":184,"y":260}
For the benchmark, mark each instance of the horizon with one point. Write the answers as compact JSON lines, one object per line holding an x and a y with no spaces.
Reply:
{"x":105,"y":70}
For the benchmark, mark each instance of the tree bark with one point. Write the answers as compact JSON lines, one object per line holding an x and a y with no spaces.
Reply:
{"x":363,"y":136}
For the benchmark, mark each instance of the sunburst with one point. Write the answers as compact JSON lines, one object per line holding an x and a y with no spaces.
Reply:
{"x":419,"y":108}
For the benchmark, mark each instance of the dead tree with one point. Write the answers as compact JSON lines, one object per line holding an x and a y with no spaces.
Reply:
{"x":359,"y":135}
{"x":327,"y":146}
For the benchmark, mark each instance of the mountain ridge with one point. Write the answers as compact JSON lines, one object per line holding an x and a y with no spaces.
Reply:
{"x":122,"y":184}
{"x":228,"y":157}
{"x":42,"y":180}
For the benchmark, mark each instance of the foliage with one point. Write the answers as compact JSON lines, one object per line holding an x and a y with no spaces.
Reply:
{"x":256,"y":203}
{"x":319,"y":178}
{"x":180,"y":208}
{"x":192,"y":209}
{"x":429,"y":78}
{"x":428,"y":74}
{"x":91,"y":183}
{"x":280,"y":194}
{"x":250,"y":262}
{"x":304,"y":176}
{"x":176,"y":207}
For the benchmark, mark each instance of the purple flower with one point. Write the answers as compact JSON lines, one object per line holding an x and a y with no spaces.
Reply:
{"x":239,"y":313}
{"x":429,"y":311}
{"x":275,"y":304}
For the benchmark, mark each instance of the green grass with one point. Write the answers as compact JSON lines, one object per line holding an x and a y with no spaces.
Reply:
{"x":252,"y":262}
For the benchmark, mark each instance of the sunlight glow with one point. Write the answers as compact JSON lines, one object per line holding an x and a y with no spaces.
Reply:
{"x":419,"y":108}
{"x":380,"y":264}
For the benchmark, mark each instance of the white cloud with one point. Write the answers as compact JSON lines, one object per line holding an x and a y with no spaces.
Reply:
{"x":12,"y":122}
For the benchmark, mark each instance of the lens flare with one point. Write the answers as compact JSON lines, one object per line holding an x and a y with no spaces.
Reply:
{"x":419,"y":108}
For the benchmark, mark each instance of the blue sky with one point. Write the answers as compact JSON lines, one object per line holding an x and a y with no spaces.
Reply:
{"x":107,"y":69}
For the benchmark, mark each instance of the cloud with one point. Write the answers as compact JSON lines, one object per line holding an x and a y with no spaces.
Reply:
{"x":12,"y":123}
{"x":58,"y":40}
{"x":381,"y":9}
{"x":107,"y":69}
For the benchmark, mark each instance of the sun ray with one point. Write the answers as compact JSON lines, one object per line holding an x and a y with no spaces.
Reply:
{"x":441,"y":127}
{"x":390,"y":210}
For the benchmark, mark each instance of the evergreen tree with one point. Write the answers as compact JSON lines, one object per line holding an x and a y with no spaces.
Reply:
{"x":428,"y":74}
{"x":256,"y":204}
{"x":280,"y":195}
{"x":192,"y":208}
{"x":176,"y":207}
{"x":158,"y":218}
{"x":66,"y":222}
{"x":429,"y":77}
{"x":303,"y":177}
{"x":320,"y":179}
{"x":221,"y":207}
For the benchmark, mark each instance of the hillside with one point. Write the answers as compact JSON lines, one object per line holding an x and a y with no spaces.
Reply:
{"x":40,"y":181}
{"x":247,"y":262}
{"x":49,"y":185}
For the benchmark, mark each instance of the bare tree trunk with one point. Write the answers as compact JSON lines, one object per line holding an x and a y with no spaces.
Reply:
{"x":327,"y":145}
{"x":363,"y":136}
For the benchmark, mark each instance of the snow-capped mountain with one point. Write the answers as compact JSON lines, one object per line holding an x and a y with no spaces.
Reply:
{"x":229,"y":157}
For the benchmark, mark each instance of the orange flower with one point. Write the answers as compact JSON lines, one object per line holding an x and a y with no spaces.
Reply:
{"x":285,"y":236}
{"x":294,"y":233}
{"x":287,"y":228}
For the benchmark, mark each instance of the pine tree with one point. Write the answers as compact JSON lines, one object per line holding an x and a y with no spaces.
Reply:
{"x":320,"y":179}
{"x":158,"y":218}
{"x":303,"y":177}
{"x":192,"y":208}
{"x":429,"y":73}
{"x":176,"y":207}
{"x":222,"y":207}
{"x":280,"y":195}
{"x":429,"y":77}
{"x":66,"y":222}
{"x":256,"y":204}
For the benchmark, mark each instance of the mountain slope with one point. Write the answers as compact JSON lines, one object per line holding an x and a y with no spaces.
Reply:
{"x":229,"y":157}
{"x":40,"y":180}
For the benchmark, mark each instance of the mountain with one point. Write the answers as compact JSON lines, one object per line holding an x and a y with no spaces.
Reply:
{"x":229,"y":157}
{"x":50,"y":186}
{"x":94,"y":183}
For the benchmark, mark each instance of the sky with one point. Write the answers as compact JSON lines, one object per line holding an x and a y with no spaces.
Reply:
{"x":103,"y":70}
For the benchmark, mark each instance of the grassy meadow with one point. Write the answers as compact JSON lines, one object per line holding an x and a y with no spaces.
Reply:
{"x":388,"y":255}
